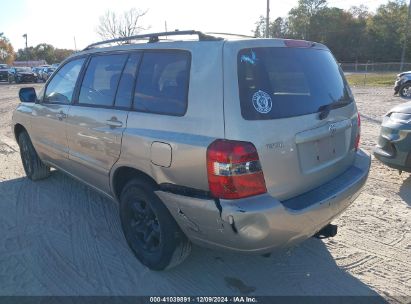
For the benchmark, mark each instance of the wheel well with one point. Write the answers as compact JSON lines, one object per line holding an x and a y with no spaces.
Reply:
{"x":18,"y":128}
{"x":123,"y":174}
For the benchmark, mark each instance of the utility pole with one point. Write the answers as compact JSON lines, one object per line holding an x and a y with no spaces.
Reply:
{"x":27,"y":51}
{"x":75,"y":44}
{"x":25,"y":36}
{"x":267,"y":20}
{"x":407,"y":30}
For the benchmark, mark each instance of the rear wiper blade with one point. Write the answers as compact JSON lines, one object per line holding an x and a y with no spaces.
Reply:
{"x":325,"y":109}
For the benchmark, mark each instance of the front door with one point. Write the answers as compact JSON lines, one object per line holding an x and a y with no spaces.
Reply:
{"x":50,"y":113}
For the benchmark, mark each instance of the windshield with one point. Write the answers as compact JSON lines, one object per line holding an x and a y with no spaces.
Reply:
{"x":23,"y":70}
{"x":285,"y":82}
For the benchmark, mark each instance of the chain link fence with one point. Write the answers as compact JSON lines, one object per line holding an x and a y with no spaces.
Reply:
{"x":374,"y":67}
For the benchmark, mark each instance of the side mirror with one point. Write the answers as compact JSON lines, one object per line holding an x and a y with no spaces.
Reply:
{"x":27,"y":95}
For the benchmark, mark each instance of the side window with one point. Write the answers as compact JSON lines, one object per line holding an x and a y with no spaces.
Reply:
{"x":125,"y":87}
{"x":162,"y":84}
{"x":60,"y":89}
{"x":101,"y":79}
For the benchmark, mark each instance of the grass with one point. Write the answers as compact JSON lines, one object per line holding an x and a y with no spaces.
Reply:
{"x":371,"y":79}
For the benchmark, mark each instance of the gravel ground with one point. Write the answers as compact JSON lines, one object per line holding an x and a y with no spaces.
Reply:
{"x":58,"y":237}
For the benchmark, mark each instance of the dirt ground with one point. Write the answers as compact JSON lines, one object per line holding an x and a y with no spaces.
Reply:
{"x":58,"y":237}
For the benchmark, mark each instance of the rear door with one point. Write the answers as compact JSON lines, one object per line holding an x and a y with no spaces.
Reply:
{"x":99,"y":116}
{"x":292,"y":102}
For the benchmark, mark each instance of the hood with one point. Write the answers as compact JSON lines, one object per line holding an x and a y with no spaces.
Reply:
{"x":25,"y":73}
{"x":402,"y":108}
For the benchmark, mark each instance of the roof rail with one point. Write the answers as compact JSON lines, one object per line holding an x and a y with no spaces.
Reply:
{"x":154,"y":37}
{"x":230,"y":34}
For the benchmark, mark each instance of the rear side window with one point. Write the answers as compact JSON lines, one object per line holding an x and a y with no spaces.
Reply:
{"x":285,"y":82}
{"x":162,"y":83}
{"x":100,"y":82}
{"x":125,"y":87}
{"x":61,"y":87}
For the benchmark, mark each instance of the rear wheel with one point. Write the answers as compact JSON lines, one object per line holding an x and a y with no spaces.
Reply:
{"x":405,"y":90}
{"x":33,"y":166}
{"x":151,"y":232}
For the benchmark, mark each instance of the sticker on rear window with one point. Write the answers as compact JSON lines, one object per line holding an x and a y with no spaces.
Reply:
{"x":262,"y":102}
{"x":252,"y":59}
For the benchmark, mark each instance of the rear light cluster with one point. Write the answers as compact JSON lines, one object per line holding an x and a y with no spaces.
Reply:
{"x":357,"y":139}
{"x":297,"y":43}
{"x":234,"y":170}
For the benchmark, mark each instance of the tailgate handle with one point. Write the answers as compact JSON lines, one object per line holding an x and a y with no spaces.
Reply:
{"x":114,"y":123}
{"x":322,"y":132}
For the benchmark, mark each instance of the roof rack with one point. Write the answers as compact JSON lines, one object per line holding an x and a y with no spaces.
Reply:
{"x":154,"y":37}
{"x":230,"y":34}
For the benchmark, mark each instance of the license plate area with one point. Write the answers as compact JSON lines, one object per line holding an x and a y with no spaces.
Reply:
{"x":320,"y":153}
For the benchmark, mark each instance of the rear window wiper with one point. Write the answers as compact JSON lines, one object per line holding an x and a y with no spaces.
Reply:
{"x":324,"y":110}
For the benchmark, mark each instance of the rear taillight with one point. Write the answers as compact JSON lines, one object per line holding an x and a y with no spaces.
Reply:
{"x":357,"y":139}
{"x":234,"y":170}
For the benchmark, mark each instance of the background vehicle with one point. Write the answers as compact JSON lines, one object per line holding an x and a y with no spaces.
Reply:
{"x":21,"y":74}
{"x":394,"y":144}
{"x":4,"y":71}
{"x":231,"y":144}
{"x":403,"y":85}
{"x":36,"y":70}
{"x":45,"y":73}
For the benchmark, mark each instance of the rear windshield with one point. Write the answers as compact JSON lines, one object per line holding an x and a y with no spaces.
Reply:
{"x":284,"y":82}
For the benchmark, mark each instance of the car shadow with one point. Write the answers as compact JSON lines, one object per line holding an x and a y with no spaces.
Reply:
{"x":405,"y":191}
{"x":59,"y":237}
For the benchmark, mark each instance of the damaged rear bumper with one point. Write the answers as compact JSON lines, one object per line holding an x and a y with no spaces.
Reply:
{"x":262,"y":223}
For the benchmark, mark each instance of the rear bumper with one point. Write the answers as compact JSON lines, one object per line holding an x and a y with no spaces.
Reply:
{"x":261,"y":224}
{"x":394,"y":146}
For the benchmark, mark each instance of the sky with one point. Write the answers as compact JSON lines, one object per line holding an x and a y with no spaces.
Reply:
{"x":58,"y":22}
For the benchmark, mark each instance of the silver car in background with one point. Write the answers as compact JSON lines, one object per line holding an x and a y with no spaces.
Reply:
{"x":246,"y":145}
{"x":394,"y":143}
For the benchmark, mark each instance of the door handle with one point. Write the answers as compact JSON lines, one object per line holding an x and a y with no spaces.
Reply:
{"x":61,"y":116}
{"x":114,"y":123}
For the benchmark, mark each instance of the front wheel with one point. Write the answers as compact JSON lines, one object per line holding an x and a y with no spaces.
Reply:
{"x":151,"y":232}
{"x":405,"y":90}
{"x":33,"y":166}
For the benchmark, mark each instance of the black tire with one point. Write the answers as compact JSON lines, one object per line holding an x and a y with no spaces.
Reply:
{"x":151,"y":232}
{"x":33,"y":166}
{"x":405,"y":90}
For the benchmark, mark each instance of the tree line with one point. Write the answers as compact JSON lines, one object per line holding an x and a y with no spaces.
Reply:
{"x":43,"y":51}
{"x":111,"y":25}
{"x":354,"y":35}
